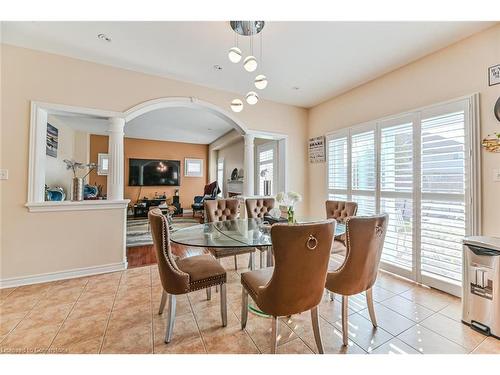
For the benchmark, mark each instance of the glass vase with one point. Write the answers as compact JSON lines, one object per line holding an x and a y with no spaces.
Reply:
{"x":291,"y":215}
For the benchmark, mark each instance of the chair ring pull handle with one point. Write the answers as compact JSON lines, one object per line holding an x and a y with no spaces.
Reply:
{"x":312,"y":242}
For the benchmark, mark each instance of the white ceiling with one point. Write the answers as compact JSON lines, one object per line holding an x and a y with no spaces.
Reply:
{"x":323,"y":59}
{"x":169,"y":124}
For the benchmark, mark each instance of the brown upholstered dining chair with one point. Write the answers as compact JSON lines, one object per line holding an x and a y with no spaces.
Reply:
{"x":364,"y":241}
{"x":297,"y":281}
{"x":258,"y":208}
{"x":227,"y":209}
{"x":181,"y":276}
{"x":340,"y":211}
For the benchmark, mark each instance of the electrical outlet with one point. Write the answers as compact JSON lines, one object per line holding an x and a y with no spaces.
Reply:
{"x":4,"y":174}
{"x":496,"y":175}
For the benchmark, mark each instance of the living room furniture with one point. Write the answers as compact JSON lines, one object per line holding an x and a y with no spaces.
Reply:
{"x":210,"y":192}
{"x":340,"y":211}
{"x":296,"y":283}
{"x":181,"y":276}
{"x":364,"y":241}
{"x":222,"y":210}
{"x":258,"y":208}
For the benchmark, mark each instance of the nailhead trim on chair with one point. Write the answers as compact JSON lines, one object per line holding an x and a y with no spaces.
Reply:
{"x":166,"y":247}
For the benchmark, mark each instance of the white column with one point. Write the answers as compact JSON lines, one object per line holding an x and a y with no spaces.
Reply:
{"x":116,"y":156}
{"x":248,"y":165}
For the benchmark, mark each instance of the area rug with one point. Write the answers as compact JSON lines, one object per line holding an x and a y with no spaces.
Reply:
{"x":138,"y":233}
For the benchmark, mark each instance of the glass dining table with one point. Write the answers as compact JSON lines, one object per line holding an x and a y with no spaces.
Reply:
{"x":236,"y":233}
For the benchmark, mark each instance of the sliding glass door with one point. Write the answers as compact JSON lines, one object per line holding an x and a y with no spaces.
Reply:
{"x":414,"y":168}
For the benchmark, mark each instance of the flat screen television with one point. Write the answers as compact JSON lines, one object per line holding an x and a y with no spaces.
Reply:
{"x":147,"y":172}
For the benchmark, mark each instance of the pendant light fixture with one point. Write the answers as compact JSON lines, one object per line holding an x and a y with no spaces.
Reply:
{"x":236,"y":105}
{"x":252,"y":98}
{"x":250,"y":64}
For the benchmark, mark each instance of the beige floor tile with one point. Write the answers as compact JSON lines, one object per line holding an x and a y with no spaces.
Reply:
{"x":134,"y":340}
{"x":296,"y":346}
{"x":125,"y":318}
{"x":231,"y":340}
{"x":428,"y":342}
{"x":454,"y":331}
{"x":29,"y":340}
{"x":355,"y":303}
{"x":193,"y":346}
{"x":490,"y":345}
{"x":210,"y":321}
{"x":407,"y":308}
{"x":90,"y":346}
{"x":98,"y":306}
{"x":381,"y":294}
{"x":79,"y":282}
{"x":41,"y":316}
{"x":453,"y":310}
{"x":31,"y":290}
{"x":389,"y":320}
{"x":20,"y":304}
{"x":60,"y":296}
{"x":332,"y":341}
{"x":260,"y":330}
{"x":78,"y":331}
{"x":394,"y":346}
{"x":429,"y":298}
{"x":135,"y":297}
{"x":182,"y":305}
{"x":135,"y":281}
{"x":331,"y":311}
{"x":393,"y":284}
{"x":185,"y":330}
{"x":9,"y":321}
{"x":362,"y":332}
{"x":4,"y":293}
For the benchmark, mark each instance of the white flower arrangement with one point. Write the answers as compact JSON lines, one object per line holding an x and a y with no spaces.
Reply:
{"x":288,"y":199}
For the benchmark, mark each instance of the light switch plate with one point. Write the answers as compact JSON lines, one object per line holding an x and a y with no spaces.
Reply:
{"x":4,"y":174}
{"x":496,"y":175}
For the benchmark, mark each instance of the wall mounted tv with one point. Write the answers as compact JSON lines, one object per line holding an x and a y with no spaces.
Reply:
{"x":147,"y":172}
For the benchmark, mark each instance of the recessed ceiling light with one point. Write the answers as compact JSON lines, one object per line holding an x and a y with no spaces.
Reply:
{"x":295,"y":88}
{"x":104,"y":37}
{"x":217,"y":67}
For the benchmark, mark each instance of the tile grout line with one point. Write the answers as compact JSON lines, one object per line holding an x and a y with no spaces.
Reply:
{"x":66,"y":318}
{"x":197,"y":325}
{"x":110,"y":312}
{"x":25,"y":315}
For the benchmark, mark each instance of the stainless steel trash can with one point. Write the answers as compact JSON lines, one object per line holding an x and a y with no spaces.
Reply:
{"x":481,"y":284}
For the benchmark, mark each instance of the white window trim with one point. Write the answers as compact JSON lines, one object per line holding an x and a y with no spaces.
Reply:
{"x":473,"y":166}
{"x":271,"y":145}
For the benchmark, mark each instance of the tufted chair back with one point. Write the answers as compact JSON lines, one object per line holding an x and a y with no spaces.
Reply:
{"x":173,"y":280}
{"x":222,"y":209}
{"x":340,"y":210}
{"x":257,"y":208}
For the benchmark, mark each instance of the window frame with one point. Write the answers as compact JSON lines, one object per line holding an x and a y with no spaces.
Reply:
{"x":472,"y":197}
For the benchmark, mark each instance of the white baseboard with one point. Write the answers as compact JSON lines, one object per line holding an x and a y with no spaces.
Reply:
{"x":63,"y":275}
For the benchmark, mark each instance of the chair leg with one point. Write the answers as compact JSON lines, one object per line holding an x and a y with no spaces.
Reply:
{"x":316,"y":329}
{"x":217,"y":287}
{"x":209,"y":293}
{"x":261,"y":256}
{"x":244,"y":307}
{"x":345,"y":331}
{"x":162,"y":302}
{"x":274,"y":338}
{"x":269,"y":260}
{"x":251,"y":261}
{"x":332,"y":296}
{"x":223,"y":304}
{"x":371,"y":310}
{"x":235,"y":263}
{"x":170,"y":318}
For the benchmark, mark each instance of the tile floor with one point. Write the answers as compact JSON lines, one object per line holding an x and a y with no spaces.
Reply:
{"x":117,"y":313}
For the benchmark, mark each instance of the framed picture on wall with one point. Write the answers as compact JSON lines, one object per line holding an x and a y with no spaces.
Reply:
{"x":494,"y":75}
{"x":102,"y":164}
{"x":193,"y":167}
{"x":52,"y":141}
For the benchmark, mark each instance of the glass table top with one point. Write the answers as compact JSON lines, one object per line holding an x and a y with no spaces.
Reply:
{"x":234,"y":233}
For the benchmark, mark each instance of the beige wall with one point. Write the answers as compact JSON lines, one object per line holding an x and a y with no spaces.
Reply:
{"x":150,"y":149}
{"x":36,"y":243}
{"x":458,"y":70}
